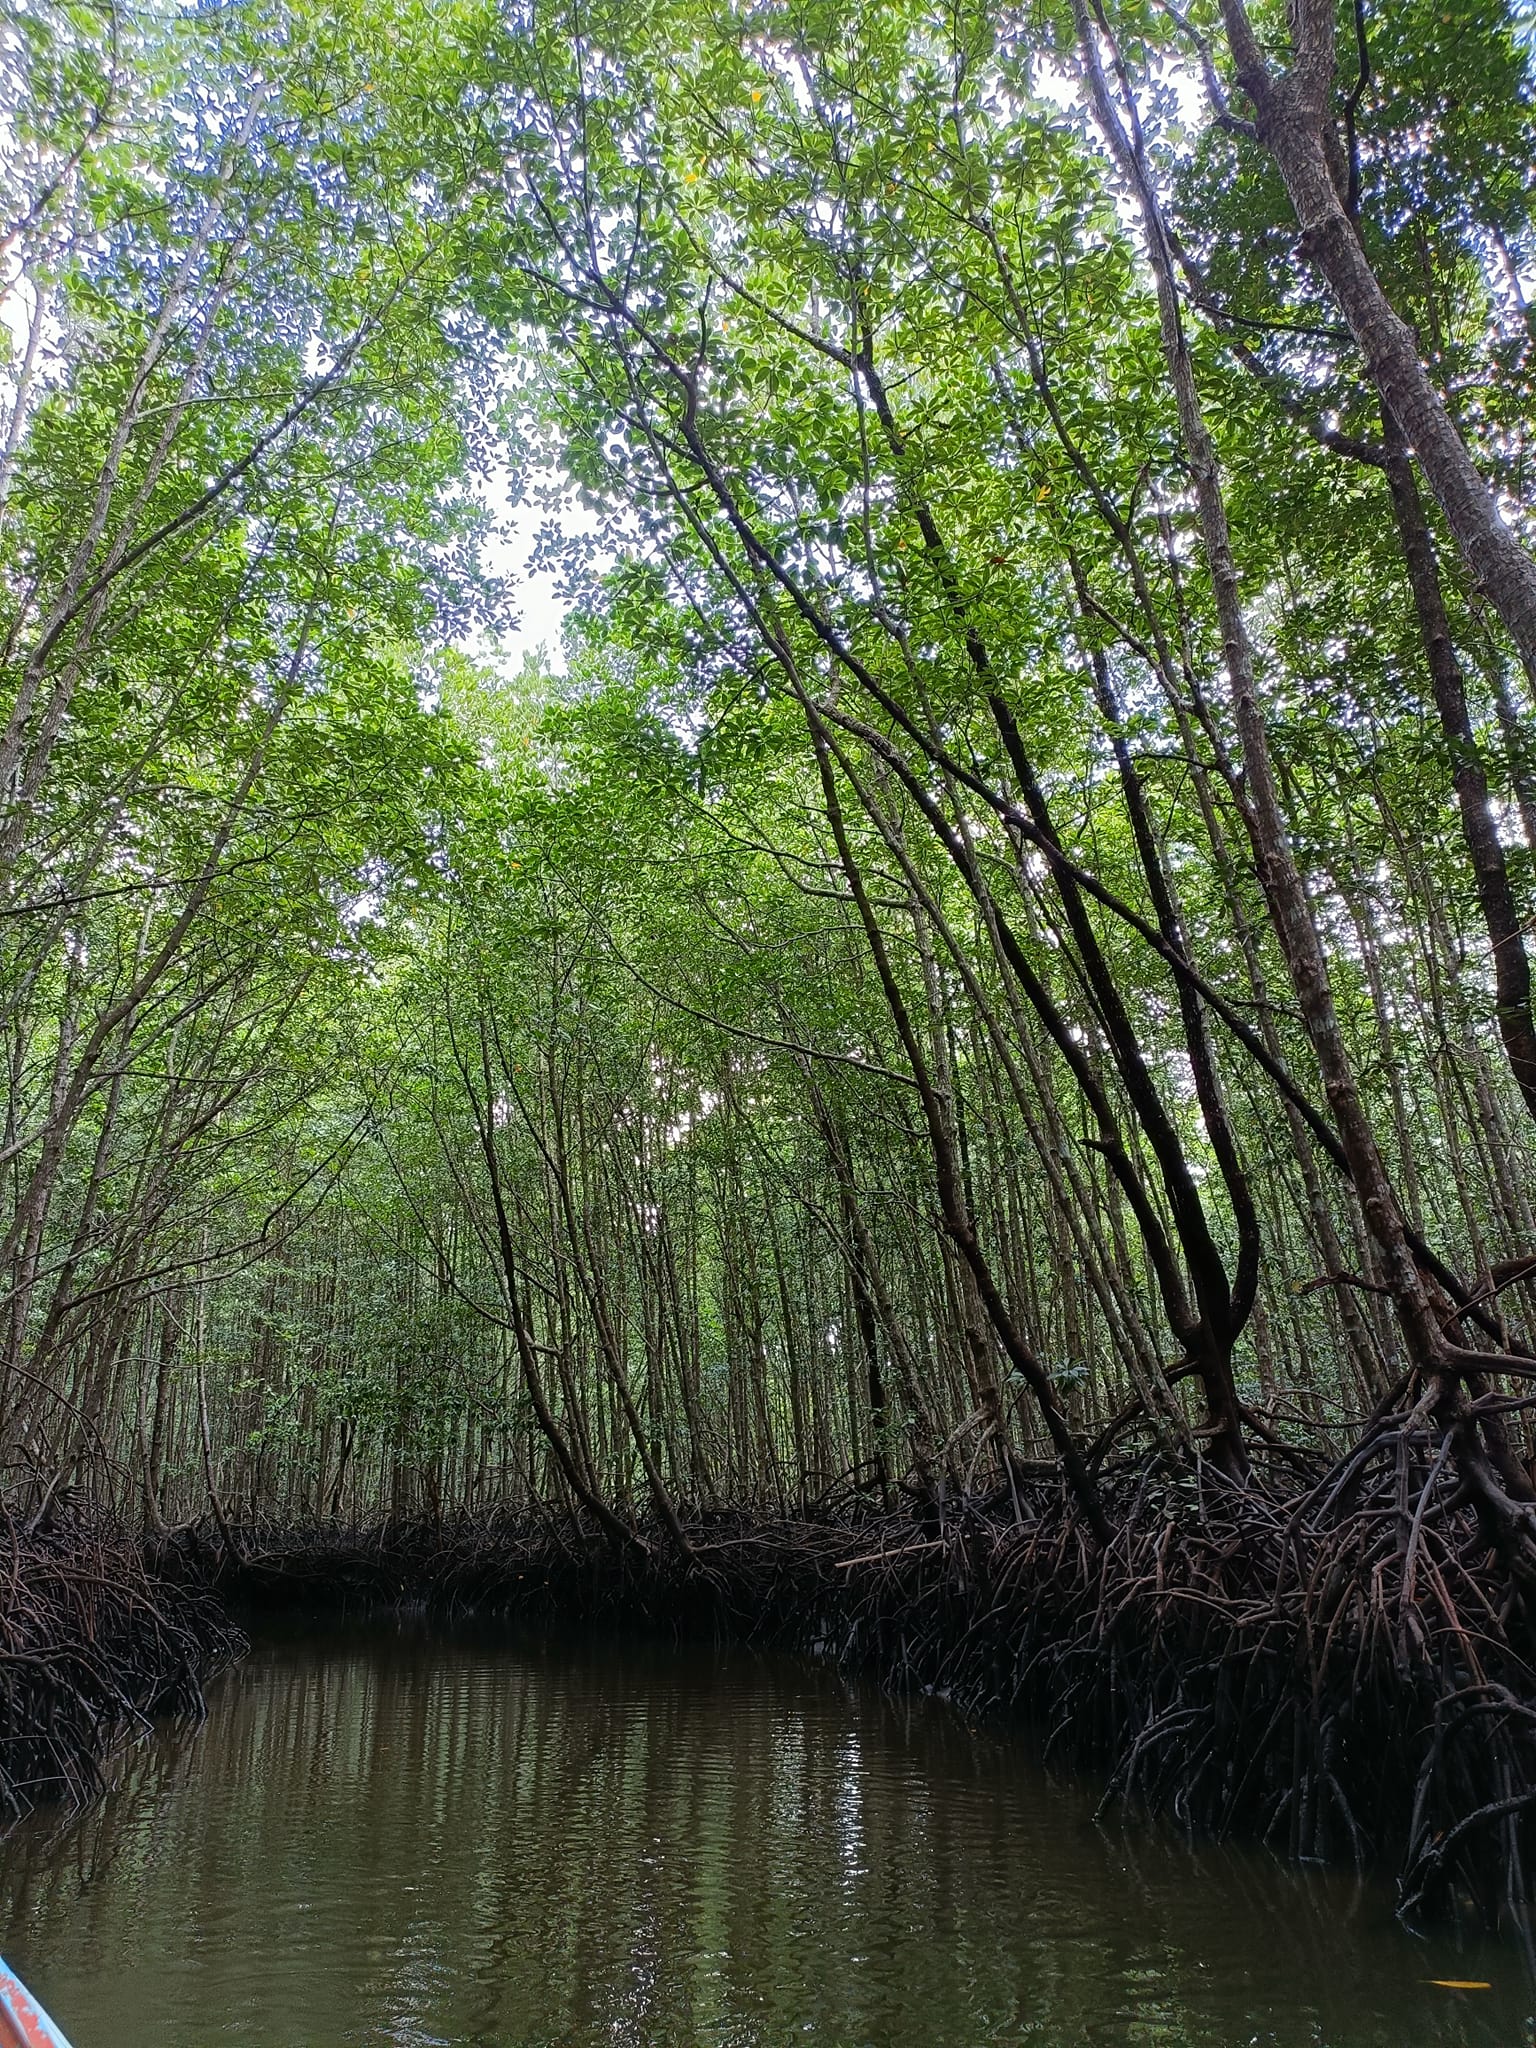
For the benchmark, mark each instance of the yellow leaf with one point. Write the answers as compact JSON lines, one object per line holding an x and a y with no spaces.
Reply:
{"x":1459,"y":1983}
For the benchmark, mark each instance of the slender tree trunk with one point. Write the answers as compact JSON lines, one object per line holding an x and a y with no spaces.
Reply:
{"x":1495,"y":895}
{"x":1294,"y":122}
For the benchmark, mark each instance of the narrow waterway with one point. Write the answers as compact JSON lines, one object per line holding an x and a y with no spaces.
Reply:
{"x":388,"y":1837}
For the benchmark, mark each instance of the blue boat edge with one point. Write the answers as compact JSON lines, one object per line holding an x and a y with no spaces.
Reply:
{"x":23,"y":2022}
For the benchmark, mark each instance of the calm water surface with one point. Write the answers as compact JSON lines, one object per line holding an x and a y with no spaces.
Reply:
{"x":389,"y":1838}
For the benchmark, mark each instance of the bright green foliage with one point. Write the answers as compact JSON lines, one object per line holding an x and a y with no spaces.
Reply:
{"x":760,"y":1057}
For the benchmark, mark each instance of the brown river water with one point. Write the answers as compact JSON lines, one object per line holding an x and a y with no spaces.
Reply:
{"x":395,"y":1837}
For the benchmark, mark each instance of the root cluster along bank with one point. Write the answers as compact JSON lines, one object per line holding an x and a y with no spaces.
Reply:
{"x":1331,"y":1670}
{"x":94,"y":1646}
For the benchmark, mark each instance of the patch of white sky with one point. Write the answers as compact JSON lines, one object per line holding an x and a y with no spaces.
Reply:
{"x":26,"y":327}
{"x":542,"y":598}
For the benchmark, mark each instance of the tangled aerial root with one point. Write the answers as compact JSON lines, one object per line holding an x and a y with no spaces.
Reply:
{"x":1340,"y":1672}
{"x":91,"y":1646}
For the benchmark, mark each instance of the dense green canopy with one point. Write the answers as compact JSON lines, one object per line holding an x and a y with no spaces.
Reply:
{"x":1002,"y":935}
